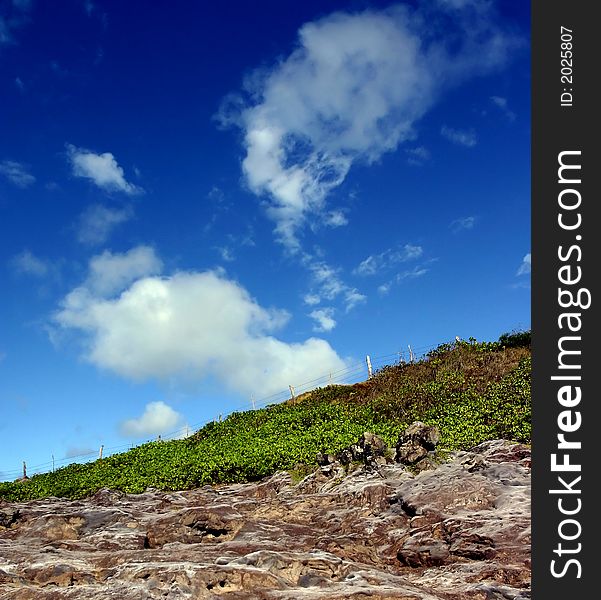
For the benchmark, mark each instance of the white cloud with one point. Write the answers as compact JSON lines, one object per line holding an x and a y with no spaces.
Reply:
{"x":459,"y":136}
{"x":110,"y":273}
{"x":462,"y":224}
{"x":502,"y":105}
{"x":351,"y":90}
{"x":97,"y":222}
{"x":526,"y":266}
{"x":384,"y":288}
{"x":377,"y":262}
{"x":324,"y":318}
{"x":329,"y":286}
{"x":416,"y":272}
{"x":227,"y":254}
{"x":417,"y":156}
{"x":311,"y":299}
{"x":101,"y":169}
{"x":335,"y":218}
{"x":16,"y":15}
{"x":157,"y":418}
{"x":28,"y":264}
{"x":192,"y":324}
{"x":16,"y":173}
{"x":5,"y":36}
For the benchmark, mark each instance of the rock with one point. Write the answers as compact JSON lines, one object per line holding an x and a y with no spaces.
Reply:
{"x":345,"y":456}
{"x":409,"y":452}
{"x":325,"y":459}
{"x":388,"y":534}
{"x":9,"y":516}
{"x":416,"y":444}
{"x":367,"y":449}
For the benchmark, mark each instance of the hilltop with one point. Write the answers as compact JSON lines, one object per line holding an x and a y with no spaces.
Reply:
{"x":473,"y":391}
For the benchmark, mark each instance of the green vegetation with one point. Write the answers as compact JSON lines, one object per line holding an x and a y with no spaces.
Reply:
{"x":473,"y":391}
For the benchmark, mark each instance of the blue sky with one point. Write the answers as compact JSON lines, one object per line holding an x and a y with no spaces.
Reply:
{"x":203,"y":203}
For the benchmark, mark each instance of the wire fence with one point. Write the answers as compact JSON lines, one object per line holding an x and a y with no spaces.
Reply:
{"x":353,"y":373}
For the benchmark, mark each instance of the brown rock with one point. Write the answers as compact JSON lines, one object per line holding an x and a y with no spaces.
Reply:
{"x":385,"y":534}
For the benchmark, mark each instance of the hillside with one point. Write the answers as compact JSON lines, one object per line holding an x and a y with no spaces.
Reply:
{"x":473,"y":391}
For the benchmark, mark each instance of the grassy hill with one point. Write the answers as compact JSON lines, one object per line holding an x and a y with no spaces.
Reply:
{"x":473,"y":391}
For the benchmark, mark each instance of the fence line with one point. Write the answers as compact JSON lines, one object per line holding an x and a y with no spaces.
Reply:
{"x":345,"y":376}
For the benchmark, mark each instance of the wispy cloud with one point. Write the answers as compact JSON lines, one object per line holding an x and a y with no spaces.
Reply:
{"x":328,"y":285}
{"x":459,"y":136}
{"x":502,"y":105}
{"x":156,"y":419}
{"x":97,"y":222}
{"x":375,"y":263}
{"x":352,"y":89}
{"x":526,"y":267}
{"x":335,"y":218}
{"x":416,"y":272}
{"x":324,"y":319}
{"x":462,"y":224}
{"x":13,"y":16}
{"x":226,"y":253}
{"x":16,"y":173}
{"x":417,"y":156}
{"x":102,"y":169}
{"x":311,"y":299}
{"x":26,"y":263}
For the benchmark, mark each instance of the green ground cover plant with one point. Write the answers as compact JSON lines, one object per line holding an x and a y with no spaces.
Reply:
{"x":473,"y":391}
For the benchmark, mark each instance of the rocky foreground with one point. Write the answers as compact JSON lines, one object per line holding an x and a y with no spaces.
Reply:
{"x":458,"y":530}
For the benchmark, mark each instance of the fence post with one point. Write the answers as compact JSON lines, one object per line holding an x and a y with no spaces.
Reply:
{"x":291,"y":392}
{"x":100,"y":452}
{"x":411,"y":357}
{"x":369,"y":369}
{"x":24,"y":470}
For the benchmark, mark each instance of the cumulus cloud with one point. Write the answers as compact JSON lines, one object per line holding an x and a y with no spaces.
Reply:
{"x":459,"y":136}
{"x":102,"y":169}
{"x":157,"y":418}
{"x":377,"y":262}
{"x":192,"y":324}
{"x":526,"y":266}
{"x":324,"y":318}
{"x":352,"y":89}
{"x":16,"y":173}
{"x":97,"y":222}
